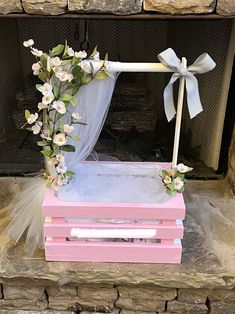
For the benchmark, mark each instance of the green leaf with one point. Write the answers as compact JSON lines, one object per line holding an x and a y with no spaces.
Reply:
{"x":77,"y":72}
{"x":73,"y":101}
{"x":74,"y":137}
{"x":43,"y":61}
{"x":75,"y":60}
{"x":171,"y":186}
{"x":75,"y":89}
{"x":47,"y":153}
{"x":56,"y":91}
{"x":26,"y":114}
{"x":64,"y":62}
{"x":164,"y":173}
{"x":86,"y":78}
{"x":101,"y":75}
{"x":42,"y":143}
{"x":61,"y":126}
{"x":69,"y":174}
{"x":57,"y":50}
{"x":172,"y":193}
{"x":38,"y":86}
{"x":66,"y":97}
{"x":42,"y":76}
{"x":68,"y":148}
{"x":77,"y":122}
{"x":110,"y":75}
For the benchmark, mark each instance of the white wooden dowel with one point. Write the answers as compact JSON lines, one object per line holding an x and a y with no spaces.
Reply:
{"x":179,"y":116}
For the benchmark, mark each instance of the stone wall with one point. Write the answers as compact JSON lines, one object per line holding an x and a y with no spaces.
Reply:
{"x":105,"y":298}
{"x":55,"y":7}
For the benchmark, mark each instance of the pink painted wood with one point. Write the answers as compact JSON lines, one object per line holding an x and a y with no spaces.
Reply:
{"x":57,"y":248}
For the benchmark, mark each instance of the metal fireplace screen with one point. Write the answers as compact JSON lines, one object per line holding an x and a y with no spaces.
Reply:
{"x":137,"y":108}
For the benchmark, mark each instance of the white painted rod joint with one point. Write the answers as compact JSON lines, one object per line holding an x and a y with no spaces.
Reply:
{"x":113,"y":233}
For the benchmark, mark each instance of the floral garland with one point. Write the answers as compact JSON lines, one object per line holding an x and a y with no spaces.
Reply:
{"x":174,"y":178}
{"x":63,"y":71}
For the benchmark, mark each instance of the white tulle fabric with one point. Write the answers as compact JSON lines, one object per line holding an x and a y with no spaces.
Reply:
{"x":101,"y":182}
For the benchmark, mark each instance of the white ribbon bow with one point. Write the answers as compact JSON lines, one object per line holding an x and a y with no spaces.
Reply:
{"x":202,"y":64}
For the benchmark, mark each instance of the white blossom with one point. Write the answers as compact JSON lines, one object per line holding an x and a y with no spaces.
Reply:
{"x":182,"y":168}
{"x":50,"y":178}
{"x":42,"y":106}
{"x":76,"y":116}
{"x":178,"y":183}
{"x":61,"y":168}
{"x":28,"y":43}
{"x":60,"y":139}
{"x":68,"y":129}
{"x":70,"y":52}
{"x":57,"y":69}
{"x":60,"y":157}
{"x":55,"y":62}
{"x":81,"y":54}
{"x":32,"y":118}
{"x":45,"y":136}
{"x":58,"y":182}
{"x":36,"y":128}
{"x":70,"y":77}
{"x":59,"y":106}
{"x":36,"y":67}
{"x":36,"y":52}
{"x":62,"y":76}
{"x":85,"y":65}
{"x":45,"y":89}
{"x":47,"y":99}
{"x":167,"y":180}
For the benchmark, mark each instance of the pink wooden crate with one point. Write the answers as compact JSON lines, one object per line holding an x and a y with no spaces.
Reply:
{"x":165,"y":245}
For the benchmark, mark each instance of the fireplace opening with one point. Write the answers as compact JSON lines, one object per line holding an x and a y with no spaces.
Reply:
{"x":136,"y":128}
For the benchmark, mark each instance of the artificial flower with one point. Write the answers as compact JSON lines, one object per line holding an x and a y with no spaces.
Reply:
{"x":76,"y":116}
{"x":45,"y":136}
{"x":55,"y":62}
{"x":32,"y":118}
{"x":50,"y":179}
{"x":60,"y":157}
{"x":57,"y":69}
{"x":62,"y":76}
{"x":28,"y":43}
{"x":96,"y":56}
{"x":36,"y":128}
{"x":70,"y":52}
{"x":178,"y":184}
{"x":36,"y":52}
{"x":46,"y":89}
{"x":81,"y":54}
{"x":167,"y":180}
{"x":59,"y":106}
{"x":36,"y":67}
{"x":47,"y":99}
{"x":171,"y":172}
{"x":60,"y":139}
{"x":68,"y":129}
{"x":61,"y":168}
{"x":85,"y":65}
{"x":182,"y":168}
{"x":42,"y":106}
{"x":70,"y":77}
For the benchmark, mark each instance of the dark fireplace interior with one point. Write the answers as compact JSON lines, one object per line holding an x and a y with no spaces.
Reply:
{"x":136,"y":128}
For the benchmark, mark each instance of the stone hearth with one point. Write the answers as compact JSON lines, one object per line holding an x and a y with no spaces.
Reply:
{"x":51,"y":7}
{"x":205,"y":279}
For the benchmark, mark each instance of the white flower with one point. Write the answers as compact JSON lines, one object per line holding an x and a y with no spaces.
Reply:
{"x":61,"y":168}
{"x":70,"y":77}
{"x":81,"y":54}
{"x":55,"y":62}
{"x":50,"y":178}
{"x":96,"y":56}
{"x":45,"y":89}
{"x":42,"y":106}
{"x":86,"y":67}
{"x":182,"y":168}
{"x":32,"y":118}
{"x":167,"y":180}
{"x":60,"y":180}
{"x":52,"y":161}
{"x":59,"y":106}
{"x":62,"y":75}
{"x":45,"y":135}
{"x":76,"y":116}
{"x":36,"y":68}
{"x":60,"y":139}
{"x":70,"y":52}
{"x":68,"y":129}
{"x":178,"y":183}
{"x":36,"y":128}
{"x":28,"y":43}
{"x":60,"y":157}
{"x":47,"y":99}
{"x":36,"y":52}
{"x":57,"y":69}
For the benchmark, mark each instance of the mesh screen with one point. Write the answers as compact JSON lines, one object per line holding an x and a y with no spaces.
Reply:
{"x":134,"y":41}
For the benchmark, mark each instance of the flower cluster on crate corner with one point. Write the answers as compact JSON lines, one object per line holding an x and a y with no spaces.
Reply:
{"x":174,"y":178}
{"x":62,"y":72}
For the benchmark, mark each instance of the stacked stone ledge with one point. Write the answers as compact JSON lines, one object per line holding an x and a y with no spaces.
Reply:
{"x":124,"y":7}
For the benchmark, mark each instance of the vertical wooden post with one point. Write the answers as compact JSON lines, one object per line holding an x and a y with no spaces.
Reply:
{"x":179,"y":116}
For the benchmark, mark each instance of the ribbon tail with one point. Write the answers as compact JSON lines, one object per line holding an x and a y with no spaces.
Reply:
{"x":168,"y":96}
{"x":193,"y":97}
